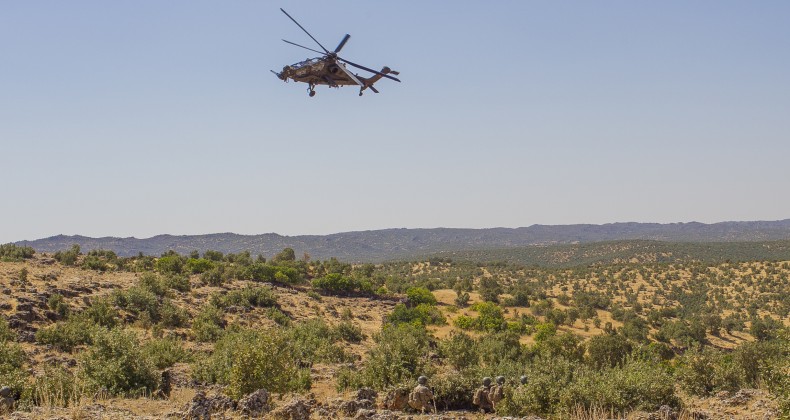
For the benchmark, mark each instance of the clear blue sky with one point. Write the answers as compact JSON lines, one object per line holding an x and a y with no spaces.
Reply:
{"x":148,"y":117}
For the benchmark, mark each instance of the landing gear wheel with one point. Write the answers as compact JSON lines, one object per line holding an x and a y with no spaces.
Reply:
{"x":360,"y":93}
{"x":312,"y":93}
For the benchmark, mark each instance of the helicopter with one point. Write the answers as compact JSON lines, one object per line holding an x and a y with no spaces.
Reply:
{"x":330,"y":69}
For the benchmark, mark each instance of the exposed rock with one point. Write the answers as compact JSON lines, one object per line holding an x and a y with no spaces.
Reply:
{"x":164,"y":385}
{"x":396,"y":399}
{"x":296,"y":409}
{"x":377,"y":415}
{"x":6,"y":399}
{"x":25,"y":315}
{"x":254,"y":404}
{"x":741,"y":397}
{"x":350,"y":408}
{"x":203,"y":407}
{"x":366,"y":394}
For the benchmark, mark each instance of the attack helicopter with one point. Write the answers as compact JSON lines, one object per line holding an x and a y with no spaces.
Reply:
{"x":330,"y":69}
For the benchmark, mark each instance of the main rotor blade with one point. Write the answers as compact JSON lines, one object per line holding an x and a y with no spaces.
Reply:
{"x":305,"y":30}
{"x":293,"y":43}
{"x":367,"y":69}
{"x":342,"y":43}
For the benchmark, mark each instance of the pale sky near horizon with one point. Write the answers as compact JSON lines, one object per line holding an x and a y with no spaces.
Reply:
{"x":149,"y":117}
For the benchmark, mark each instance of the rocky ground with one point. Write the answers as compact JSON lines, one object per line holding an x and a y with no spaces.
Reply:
{"x":24,"y":305}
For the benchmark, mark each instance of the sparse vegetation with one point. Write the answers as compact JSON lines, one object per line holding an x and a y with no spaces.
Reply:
{"x":614,"y":337}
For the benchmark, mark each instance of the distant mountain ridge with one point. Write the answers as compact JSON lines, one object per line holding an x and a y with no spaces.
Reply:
{"x":389,"y":244}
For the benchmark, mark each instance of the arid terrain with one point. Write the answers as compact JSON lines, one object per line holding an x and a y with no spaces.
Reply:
{"x":318,"y":334}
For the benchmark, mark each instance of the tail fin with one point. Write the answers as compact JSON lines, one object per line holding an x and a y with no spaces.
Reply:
{"x":376,"y":77}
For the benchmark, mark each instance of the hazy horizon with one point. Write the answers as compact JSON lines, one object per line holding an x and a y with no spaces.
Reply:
{"x":385,"y":228}
{"x":146,"y":118}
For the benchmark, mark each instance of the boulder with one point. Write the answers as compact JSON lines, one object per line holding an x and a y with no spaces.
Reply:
{"x":296,"y":409}
{"x":396,"y":399}
{"x":254,"y":404}
{"x":204,"y":407}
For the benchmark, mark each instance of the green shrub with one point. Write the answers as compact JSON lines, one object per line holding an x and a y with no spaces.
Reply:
{"x":777,"y":374}
{"x":12,"y":361}
{"x":172,"y":264}
{"x":315,"y":341}
{"x":171,"y":316}
{"x":12,"y":357}
{"x":496,"y":348}
{"x":57,"y":387}
{"x":153,"y":283}
{"x":249,"y":297}
{"x":116,"y":362}
{"x":701,"y":371}
{"x":66,"y":335}
{"x":138,"y":300}
{"x":338,"y":283}
{"x":638,"y":385}
{"x":58,"y":305}
{"x":350,"y":332}
{"x":453,"y":390}
{"x":101,"y":312}
{"x":199,"y":265}
{"x":607,"y":350}
{"x":489,"y":318}
{"x":208,"y":324}
{"x":549,"y":378}
{"x":423,"y":314}
{"x":179,"y":283}
{"x":420,"y":295}
{"x":5,"y":331}
{"x":459,"y":350}
{"x":166,"y":352}
{"x":278,"y":316}
{"x":400,"y":355}
{"x":249,"y":360}
{"x":11,"y":252}
{"x":68,"y":257}
{"x":214,"y":277}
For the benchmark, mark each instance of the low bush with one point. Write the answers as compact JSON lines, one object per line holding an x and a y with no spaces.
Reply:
{"x":489,"y":318}
{"x":101,"y":312}
{"x":12,"y":361}
{"x":249,"y":297}
{"x":57,"y":387}
{"x":68,"y":257}
{"x":459,"y":350}
{"x":209,"y":324}
{"x":638,"y":385}
{"x":349,"y":332}
{"x":422,"y":314}
{"x":420,"y":295}
{"x":58,"y":305}
{"x":248,"y":360}
{"x":66,"y":335}
{"x":199,"y":265}
{"x":279,"y":317}
{"x":166,"y":352}
{"x":116,"y":362}
{"x":399,"y":356}
{"x":12,"y":253}
{"x":215,"y":277}
{"x":315,"y":341}
{"x":338,"y":283}
{"x":5,"y":332}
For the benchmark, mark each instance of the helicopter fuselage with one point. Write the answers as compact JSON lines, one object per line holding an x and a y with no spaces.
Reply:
{"x":319,"y":71}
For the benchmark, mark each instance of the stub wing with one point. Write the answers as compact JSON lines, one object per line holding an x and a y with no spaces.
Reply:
{"x":350,"y":75}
